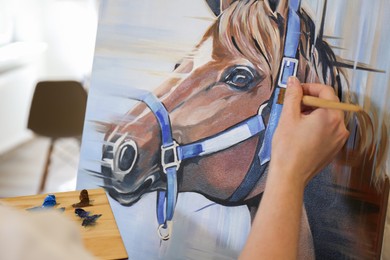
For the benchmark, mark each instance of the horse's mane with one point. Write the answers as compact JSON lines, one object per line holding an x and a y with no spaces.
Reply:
{"x":253,"y":30}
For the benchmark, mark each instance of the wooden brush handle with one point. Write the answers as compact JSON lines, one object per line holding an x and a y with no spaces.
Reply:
{"x":323,"y":103}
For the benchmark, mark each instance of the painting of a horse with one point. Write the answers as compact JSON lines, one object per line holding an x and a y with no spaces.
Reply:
{"x":229,"y":78}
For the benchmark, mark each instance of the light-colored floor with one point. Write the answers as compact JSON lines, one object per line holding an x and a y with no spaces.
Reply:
{"x":21,"y":169}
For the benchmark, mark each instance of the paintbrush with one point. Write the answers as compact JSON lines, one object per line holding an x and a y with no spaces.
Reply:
{"x":324,"y":103}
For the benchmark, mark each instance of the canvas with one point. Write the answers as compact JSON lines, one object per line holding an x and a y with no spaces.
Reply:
{"x":180,"y":102}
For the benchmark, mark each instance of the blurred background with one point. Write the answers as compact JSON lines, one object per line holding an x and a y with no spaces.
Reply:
{"x":40,"y":40}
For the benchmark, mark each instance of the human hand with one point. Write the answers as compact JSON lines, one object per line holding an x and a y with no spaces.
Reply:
{"x":305,"y":141}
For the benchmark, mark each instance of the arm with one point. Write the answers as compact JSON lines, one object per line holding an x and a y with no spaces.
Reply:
{"x":304,"y":142}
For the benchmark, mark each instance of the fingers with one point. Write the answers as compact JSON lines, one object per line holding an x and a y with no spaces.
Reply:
{"x":331,"y":117}
{"x":293,"y":97}
{"x":312,"y":139}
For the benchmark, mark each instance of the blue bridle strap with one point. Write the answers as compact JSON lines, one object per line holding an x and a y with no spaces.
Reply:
{"x":162,"y":117}
{"x":226,"y":139}
{"x":287,"y":69}
{"x":166,"y":200}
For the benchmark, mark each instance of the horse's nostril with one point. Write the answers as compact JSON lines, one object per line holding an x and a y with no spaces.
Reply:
{"x":127,"y":156}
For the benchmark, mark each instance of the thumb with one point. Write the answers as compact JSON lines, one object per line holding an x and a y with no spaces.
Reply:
{"x":293,"y":97}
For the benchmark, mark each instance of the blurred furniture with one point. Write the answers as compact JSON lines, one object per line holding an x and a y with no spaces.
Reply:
{"x":57,"y":111}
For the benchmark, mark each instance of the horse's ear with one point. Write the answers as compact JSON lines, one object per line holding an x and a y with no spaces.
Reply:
{"x":277,"y":6}
{"x":218,"y":6}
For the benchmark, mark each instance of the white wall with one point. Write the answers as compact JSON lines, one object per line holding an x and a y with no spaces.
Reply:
{"x":16,"y":88}
{"x":58,"y":37}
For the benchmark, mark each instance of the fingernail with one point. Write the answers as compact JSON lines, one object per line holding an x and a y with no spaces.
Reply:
{"x":291,"y":80}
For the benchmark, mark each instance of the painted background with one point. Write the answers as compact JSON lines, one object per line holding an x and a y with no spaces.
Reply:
{"x":139,"y":42}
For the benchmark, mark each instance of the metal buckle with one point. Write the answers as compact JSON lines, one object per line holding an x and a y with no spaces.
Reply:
{"x":175,"y":162}
{"x":287,"y":65}
{"x":168,"y":230}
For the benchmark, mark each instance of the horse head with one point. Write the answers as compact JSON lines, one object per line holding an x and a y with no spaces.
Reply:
{"x":231,"y":78}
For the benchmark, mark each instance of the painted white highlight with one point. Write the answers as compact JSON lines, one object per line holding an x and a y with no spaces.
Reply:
{"x":231,"y":138}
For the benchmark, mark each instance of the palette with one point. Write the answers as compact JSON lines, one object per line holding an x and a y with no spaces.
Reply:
{"x":103,"y":239}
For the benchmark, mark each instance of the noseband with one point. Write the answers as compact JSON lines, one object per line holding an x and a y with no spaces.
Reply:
{"x":172,"y":153}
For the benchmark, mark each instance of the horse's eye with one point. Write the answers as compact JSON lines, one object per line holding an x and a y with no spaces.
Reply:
{"x":240,"y":77}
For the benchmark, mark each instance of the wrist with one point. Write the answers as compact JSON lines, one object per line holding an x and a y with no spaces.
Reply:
{"x":282,"y":174}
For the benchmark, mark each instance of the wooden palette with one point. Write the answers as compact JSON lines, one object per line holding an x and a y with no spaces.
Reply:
{"x":103,"y":240}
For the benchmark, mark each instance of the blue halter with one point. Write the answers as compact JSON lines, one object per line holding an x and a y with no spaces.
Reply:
{"x":288,"y":68}
{"x":172,"y":153}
